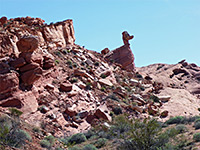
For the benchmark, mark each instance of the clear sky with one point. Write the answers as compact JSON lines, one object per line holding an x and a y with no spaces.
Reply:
{"x":166,"y":31}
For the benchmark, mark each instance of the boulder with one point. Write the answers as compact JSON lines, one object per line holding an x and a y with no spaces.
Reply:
{"x":29,"y":67}
{"x":105,"y":51}
{"x":70,"y":112}
{"x":28,"y":43}
{"x":164,"y":98}
{"x":102,"y":113}
{"x":82,"y":73}
{"x":90,"y":118}
{"x":11,"y":102}
{"x":3,"y":20}
{"x":65,"y":87}
{"x":83,"y":114}
{"x":19,"y":62}
{"x":105,"y":82}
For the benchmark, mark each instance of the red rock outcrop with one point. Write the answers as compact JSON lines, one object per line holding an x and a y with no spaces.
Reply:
{"x":122,"y":55}
{"x":50,"y":36}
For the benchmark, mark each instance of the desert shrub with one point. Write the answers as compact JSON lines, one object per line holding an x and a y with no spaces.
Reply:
{"x":15,"y":112}
{"x":69,"y":62}
{"x":45,"y":143}
{"x":89,"y":134}
{"x":146,"y":135}
{"x":121,"y":126}
{"x":75,"y":65}
{"x":176,"y":120}
{"x":57,"y":53}
{"x":74,"y":80}
{"x":100,"y":142}
{"x":139,"y":75}
{"x":181,"y":128}
{"x":10,"y":132}
{"x":19,"y":138}
{"x":50,"y":138}
{"x":191,"y":119}
{"x":103,"y":76}
{"x":58,"y":148}
{"x":197,"y":125}
{"x":117,"y":110}
{"x":88,"y":86}
{"x":36,"y":129}
{"x":57,"y":61}
{"x":89,"y":147}
{"x":113,"y":97}
{"x":96,"y":64}
{"x":77,"y":138}
{"x":196,"y":137}
{"x":74,"y":148}
{"x":154,"y":98}
{"x":103,"y":89}
{"x":197,"y":120}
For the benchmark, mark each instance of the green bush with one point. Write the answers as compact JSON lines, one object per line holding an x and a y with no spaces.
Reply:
{"x":181,"y":128}
{"x":88,"y":86}
{"x":89,"y":147}
{"x":121,"y":126}
{"x":74,"y":148}
{"x":89,"y":134}
{"x":197,"y":125}
{"x":117,"y":110}
{"x":197,"y":120}
{"x":146,"y":135}
{"x":36,"y":129}
{"x":15,"y":112}
{"x":45,"y":144}
{"x":154,"y":98}
{"x":100,"y":142}
{"x":196,"y":137}
{"x":96,"y":64}
{"x":50,"y":138}
{"x":103,"y":76}
{"x":176,"y":120}
{"x":77,"y":138}
{"x":74,"y":80}
{"x":10,"y":132}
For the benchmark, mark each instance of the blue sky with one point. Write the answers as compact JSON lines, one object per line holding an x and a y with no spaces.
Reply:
{"x":166,"y":31}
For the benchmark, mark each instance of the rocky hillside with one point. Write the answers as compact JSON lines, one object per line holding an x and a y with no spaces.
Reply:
{"x":65,"y":88}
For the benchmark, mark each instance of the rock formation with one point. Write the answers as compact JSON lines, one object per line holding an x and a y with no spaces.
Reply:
{"x":122,"y":55}
{"x":69,"y":88}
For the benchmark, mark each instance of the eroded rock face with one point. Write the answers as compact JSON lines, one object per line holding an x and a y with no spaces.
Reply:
{"x":20,"y":36}
{"x":122,"y":55}
{"x":8,"y":83}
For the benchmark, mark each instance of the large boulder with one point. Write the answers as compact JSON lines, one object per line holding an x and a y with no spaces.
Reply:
{"x":28,"y":43}
{"x":122,"y":55}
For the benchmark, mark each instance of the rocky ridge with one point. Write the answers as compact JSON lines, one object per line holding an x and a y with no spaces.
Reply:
{"x":67,"y":88}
